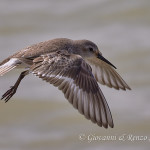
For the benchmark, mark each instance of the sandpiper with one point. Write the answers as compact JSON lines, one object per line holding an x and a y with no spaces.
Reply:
{"x":75,"y":67}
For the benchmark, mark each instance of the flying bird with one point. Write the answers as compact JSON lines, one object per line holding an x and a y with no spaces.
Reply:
{"x":75,"y":67}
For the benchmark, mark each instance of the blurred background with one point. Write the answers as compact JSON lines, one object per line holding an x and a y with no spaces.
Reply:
{"x":38,"y":116}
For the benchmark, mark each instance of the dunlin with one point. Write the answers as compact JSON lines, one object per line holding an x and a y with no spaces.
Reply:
{"x":75,"y":67}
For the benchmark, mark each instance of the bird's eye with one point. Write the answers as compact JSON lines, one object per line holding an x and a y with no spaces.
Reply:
{"x":91,"y":49}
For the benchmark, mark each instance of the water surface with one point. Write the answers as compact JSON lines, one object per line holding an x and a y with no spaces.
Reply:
{"x":38,"y":116}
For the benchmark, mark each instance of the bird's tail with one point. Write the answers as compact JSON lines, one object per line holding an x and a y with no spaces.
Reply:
{"x":8,"y":65}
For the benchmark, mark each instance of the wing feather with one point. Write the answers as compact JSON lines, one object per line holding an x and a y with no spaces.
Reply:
{"x":73,"y":76}
{"x":106,"y":75}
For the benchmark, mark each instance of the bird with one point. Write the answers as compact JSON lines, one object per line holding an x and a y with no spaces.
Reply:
{"x":75,"y":67}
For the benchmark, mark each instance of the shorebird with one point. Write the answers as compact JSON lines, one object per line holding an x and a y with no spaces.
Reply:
{"x":75,"y":67}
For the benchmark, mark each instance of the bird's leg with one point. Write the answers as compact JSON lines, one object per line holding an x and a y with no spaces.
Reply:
{"x":13,"y":89}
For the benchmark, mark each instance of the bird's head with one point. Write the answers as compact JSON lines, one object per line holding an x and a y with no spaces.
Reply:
{"x":89,"y":50}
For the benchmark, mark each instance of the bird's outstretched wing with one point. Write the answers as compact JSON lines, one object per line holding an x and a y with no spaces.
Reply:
{"x":106,"y":75}
{"x":71,"y":74}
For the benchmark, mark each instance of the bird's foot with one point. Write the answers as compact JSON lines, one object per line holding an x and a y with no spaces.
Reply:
{"x":6,"y":96}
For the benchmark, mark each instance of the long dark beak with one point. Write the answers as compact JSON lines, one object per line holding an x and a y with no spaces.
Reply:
{"x":105,"y":60}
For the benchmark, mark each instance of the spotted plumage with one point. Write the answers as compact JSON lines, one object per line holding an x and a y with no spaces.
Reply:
{"x":74,"y":67}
